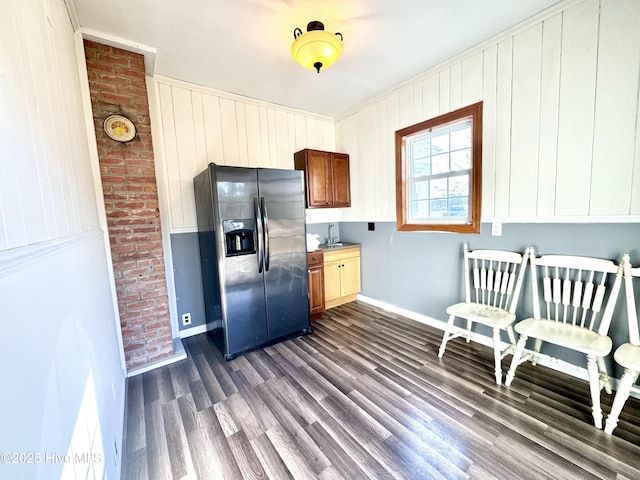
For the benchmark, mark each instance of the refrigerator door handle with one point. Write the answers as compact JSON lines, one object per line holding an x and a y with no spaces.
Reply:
{"x":265,"y":219}
{"x":258,"y":218}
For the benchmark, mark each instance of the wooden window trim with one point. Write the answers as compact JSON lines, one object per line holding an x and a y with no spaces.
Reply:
{"x":403,"y":224}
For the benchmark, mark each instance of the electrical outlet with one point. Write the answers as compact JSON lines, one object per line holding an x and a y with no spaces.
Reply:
{"x":186,"y":319}
{"x":496,"y":229}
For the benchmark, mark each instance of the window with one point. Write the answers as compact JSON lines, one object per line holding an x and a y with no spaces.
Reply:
{"x":439,"y":173}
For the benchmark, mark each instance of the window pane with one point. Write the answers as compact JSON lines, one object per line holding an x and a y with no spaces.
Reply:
{"x":458,"y":207}
{"x":438,"y":208}
{"x":440,"y":144}
{"x":421,"y":148}
{"x":422,"y":167}
{"x":440,"y":164}
{"x":438,"y":188}
{"x":420,"y":209}
{"x":461,"y":139}
{"x":461,"y":160}
{"x":459,"y":186}
{"x":458,"y":196}
{"x":421,"y":190}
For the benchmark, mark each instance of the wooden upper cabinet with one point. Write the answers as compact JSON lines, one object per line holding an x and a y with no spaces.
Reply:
{"x":341,"y":183}
{"x":317,"y":172}
{"x":327,"y":178}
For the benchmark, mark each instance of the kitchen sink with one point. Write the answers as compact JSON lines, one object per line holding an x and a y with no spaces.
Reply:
{"x":330,"y":246}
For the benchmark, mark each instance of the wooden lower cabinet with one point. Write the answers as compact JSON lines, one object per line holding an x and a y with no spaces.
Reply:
{"x":316,"y":283}
{"x":341,"y":276}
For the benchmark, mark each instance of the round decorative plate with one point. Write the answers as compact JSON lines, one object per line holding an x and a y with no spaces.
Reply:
{"x":119,"y":128}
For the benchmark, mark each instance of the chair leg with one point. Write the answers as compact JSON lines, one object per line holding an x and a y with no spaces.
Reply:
{"x":516,"y":359}
{"x":512,"y":340}
{"x":497,"y":356}
{"x":469,"y":325}
{"x":447,"y":333}
{"x":605,"y":382}
{"x":536,"y":348}
{"x":629,"y":377}
{"x":594,"y":387}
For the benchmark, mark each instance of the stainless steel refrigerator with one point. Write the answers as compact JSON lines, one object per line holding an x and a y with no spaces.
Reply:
{"x":251,"y":233}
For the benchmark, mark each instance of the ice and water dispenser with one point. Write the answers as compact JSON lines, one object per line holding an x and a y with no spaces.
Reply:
{"x":239,"y":236}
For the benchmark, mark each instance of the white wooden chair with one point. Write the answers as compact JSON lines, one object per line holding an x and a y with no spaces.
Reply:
{"x":490,"y":300}
{"x":627,"y":355}
{"x":574,"y":292}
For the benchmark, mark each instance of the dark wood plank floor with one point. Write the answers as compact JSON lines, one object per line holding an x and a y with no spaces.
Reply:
{"x":366,"y":396}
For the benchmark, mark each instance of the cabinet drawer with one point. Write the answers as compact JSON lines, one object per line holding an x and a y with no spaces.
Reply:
{"x":315,"y":258}
{"x":339,"y":254}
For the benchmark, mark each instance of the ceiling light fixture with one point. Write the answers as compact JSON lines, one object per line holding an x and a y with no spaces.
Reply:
{"x":316,"y":49}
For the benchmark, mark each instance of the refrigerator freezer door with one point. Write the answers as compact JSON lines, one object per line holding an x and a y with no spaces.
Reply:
{"x":205,"y":211}
{"x":242,"y":285}
{"x":287,"y":297}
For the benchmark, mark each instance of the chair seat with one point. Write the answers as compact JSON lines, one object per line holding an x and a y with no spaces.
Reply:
{"x":566,"y":335}
{"x":628,"y":356}
{"x":484,"y":314}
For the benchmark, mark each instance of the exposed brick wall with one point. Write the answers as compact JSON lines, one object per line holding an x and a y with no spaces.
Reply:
{"x":117,"y":85}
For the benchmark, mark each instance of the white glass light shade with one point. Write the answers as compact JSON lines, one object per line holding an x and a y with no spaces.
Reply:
{"x":317,"y":49}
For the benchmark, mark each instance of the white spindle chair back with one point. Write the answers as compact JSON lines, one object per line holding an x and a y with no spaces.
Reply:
{"x":574,"y":290}
{"x":493,"y":277}
{"x":632,"y":312}
{"x":492,"y":283}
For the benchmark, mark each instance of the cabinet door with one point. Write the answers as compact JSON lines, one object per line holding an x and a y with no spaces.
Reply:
{"x":332,"y":280}
{"x":316,"y":289}
{"x":340,"y":179}
{"x":318,"y":173}
{"x":350,"y":276}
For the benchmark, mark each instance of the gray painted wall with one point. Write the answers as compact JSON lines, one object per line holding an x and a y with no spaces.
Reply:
{"x":422,"y":271}
{"x":188,"y":278}
{"x":63,"y":386}
{"x":322,"y":230}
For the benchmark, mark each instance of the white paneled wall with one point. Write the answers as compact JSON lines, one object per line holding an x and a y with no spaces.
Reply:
{"x":61,"y":347}
{"x":200,"y":126}
{"x":46,"y":186}
{"x":561,"y":128}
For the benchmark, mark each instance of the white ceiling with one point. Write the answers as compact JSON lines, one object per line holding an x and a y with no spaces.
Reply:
{"x":243,"y":46}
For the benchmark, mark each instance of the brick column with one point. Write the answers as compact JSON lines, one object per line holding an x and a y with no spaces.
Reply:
{"x":117,"y":85}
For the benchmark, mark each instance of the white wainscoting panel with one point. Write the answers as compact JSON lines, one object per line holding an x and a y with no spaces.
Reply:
{"x":561,"y":130}
{"x":549,"y":105}
{"x":200,"y":126}
{"x":502,"y":159}
{"x":471,"y":86}
{"x":46,"y":186}
{"x":525,"y":121}
{"x":489,"y":115}
{"x":615,"y":112}
{"x":577,"y":101}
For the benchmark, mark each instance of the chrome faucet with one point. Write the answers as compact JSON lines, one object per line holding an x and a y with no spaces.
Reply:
{"x":332,"y":238}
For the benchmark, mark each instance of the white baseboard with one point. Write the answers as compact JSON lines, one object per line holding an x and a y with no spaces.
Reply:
{"x":545,"y":360}
{"x":190,"y":332}
{"x":179,"y":353}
